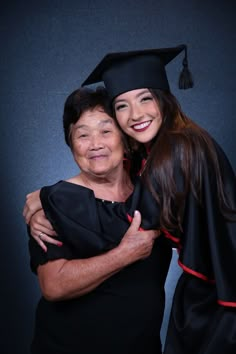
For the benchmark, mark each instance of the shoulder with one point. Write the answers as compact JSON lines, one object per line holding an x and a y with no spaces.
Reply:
{"x":66,"y":191}
{"x":75,"y":180}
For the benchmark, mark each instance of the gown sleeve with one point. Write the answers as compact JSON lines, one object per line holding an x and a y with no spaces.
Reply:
{"x":207,"y":246}
{"x":223,"y":245}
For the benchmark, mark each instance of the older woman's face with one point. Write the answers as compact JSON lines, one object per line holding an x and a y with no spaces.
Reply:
{"x":97,"y":143}
{"x":138,"y":114}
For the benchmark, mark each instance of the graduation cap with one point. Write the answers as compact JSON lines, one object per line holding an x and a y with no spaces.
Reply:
{"x":126,"y":71}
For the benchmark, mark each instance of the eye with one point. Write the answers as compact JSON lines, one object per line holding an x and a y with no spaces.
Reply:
{"x":120,"y":106}
{"x":147,"y":98}
{"x":106,"y":131}
{"x":81,"y":136}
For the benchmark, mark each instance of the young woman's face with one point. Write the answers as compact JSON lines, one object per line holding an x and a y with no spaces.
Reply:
{"x":138,"y":114}
{"x":97,"y":143}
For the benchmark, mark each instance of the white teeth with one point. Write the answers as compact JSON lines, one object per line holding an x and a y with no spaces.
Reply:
{"x":141,"y":126}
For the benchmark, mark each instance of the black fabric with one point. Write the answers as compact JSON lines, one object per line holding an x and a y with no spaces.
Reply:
{"x":122,"y":315}
{"x":125,"y":71}
{"x":198,"y":324}
{"x":203,"y":315}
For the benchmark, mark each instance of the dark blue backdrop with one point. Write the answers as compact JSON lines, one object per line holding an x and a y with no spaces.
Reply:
{"x":47,"y":50}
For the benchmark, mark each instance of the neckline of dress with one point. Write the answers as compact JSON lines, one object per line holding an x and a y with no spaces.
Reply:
{"x":106,"y":201}
{"x":91,"y":190}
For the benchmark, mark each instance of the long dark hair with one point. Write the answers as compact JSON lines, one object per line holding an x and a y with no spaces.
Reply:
{"x":181,"y":149}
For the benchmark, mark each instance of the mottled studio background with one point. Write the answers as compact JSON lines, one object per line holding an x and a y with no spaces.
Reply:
{"x":47,"y":49}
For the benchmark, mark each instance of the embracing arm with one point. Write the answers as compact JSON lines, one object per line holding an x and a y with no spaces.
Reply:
{"x":66,"y":279}
{"x":39,"y":225}
{"x":32,"y":205}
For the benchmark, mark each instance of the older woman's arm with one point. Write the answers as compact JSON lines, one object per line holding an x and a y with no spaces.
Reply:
{"x":66,"y":279}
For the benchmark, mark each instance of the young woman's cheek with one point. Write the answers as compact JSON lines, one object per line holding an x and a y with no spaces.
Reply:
{"x":122,"y":121}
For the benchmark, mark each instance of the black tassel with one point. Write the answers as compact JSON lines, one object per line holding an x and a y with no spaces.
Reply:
{"x":185,"y":78}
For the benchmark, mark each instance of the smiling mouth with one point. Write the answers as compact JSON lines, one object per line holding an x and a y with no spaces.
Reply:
{"x":96,"y":157}
{"x":141,"y":126}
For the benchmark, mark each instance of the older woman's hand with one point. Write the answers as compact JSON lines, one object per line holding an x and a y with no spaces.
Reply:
{"x":138,"y":243}
{"x":41,"y":230}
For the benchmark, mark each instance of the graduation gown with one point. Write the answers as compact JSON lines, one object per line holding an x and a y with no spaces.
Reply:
{"x":203,"y":315}
{"x":123,"y":314}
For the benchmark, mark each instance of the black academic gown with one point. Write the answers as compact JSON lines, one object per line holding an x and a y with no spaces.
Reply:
{"x":124,"y":314}
{"x":203,"y":315}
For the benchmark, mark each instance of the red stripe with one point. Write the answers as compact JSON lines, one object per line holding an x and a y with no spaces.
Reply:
{"x":203,"y":277}
{"x":143,"y":163}
{"x":188,"y":270}
{"x":185,"y":268}
{"x":129,"y":218}
{"x":171,"y":237}
{"x":196,"y":274}
{"x":226,"y":303}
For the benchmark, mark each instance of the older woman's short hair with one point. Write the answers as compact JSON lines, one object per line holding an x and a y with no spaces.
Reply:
{"x":80,"y":101}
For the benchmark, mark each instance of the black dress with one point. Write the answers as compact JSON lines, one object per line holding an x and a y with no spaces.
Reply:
{"x":124,"y":314}
{"x":203,"y":315}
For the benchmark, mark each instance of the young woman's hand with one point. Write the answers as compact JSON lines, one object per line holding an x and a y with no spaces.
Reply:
{"x":42,"y":231}
{"x":32,"y":204}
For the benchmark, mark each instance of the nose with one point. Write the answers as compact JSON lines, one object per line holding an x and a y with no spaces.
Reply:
{"x":136,"y":112}
{"x":96,"y":142}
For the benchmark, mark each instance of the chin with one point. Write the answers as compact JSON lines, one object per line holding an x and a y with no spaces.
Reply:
{"x":142,"y":140}
{"x":99,"y":173}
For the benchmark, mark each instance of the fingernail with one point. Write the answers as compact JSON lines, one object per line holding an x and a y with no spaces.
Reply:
{"x":59,"y":244}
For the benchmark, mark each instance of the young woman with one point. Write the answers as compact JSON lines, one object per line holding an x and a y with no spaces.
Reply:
{"x":192,"y":181}
{"x":195,"y":187}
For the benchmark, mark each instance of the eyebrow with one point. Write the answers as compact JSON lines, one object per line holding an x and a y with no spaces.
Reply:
{"x":103,"y":122}
{"x":138,"y":95}
{"x":109,"y":120}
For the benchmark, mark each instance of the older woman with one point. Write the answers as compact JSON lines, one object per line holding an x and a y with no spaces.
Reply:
{"x":102,"y":292}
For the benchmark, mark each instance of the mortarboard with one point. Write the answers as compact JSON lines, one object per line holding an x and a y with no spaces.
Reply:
{"x":125,"y":71}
